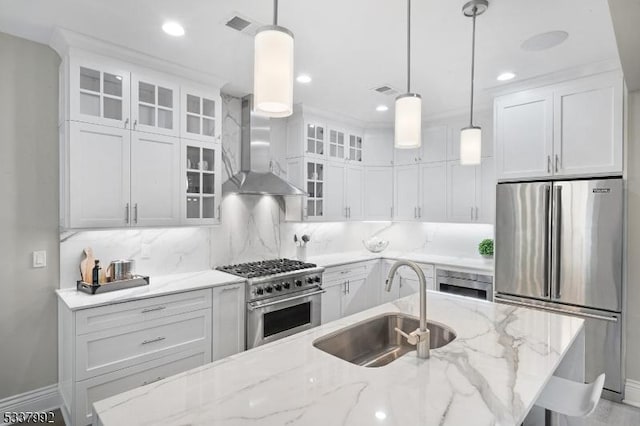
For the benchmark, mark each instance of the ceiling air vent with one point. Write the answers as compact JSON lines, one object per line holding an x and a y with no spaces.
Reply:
{"x":238,"y":23}
{"x":386,"y":89}
{"x":242,"y":24}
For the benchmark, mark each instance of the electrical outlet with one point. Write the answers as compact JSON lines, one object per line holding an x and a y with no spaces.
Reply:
{"x":40,"y":259}
{"x":145,"y":251}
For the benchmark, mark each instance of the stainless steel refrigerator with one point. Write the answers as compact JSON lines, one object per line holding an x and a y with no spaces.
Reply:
{"x":559,"y":247}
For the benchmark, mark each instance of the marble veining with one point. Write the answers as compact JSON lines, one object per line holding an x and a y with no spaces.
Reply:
{"x":490,"y":374}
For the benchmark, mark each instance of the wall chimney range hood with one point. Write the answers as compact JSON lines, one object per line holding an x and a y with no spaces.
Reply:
{"x":255,"y":176}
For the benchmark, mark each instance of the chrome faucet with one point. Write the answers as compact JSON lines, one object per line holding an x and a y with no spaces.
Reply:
{"x":419,"y":337}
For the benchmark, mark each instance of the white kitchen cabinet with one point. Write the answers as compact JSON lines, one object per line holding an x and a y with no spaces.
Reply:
{"x":588,"y":126}
{"x":404,"y":157}
{"x":335,"y":191}
{"x":486,"y":191}
{"x":331,"y":309}
{"x":201,"y":112}
{"x":461,"y":192}
{"x":405,"y":281}
{"x":406,"y":192}
{"x":228,"y":334}
{"x":200,"y":182}
{"x":96,"y":171}
{"x":434,"y":143}
{"x":337,"y":144}
{"x":357,"y":296}
{"x":378,"y":193}
{"x":98,"y":92}
{"x":524,"y":134}
{"x":378,"y":147}
{"x":155,"y":104}
{"x":433,"y":189}
{"x":349,"y":289}
{"x":354,"y":192}
{"x":310,"y":174}
{"x":155,"y":180}
{"x":355,"y":148}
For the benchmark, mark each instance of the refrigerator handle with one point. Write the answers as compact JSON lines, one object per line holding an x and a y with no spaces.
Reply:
{"x":547,"y":239}
{"x":499,"y":299}
{"x":557,"y":227}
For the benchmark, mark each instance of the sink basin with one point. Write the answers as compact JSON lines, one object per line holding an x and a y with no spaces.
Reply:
{"x":374,"y":342}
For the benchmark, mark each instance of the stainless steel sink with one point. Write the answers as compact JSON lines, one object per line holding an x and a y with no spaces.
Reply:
{"x":375,"y":342}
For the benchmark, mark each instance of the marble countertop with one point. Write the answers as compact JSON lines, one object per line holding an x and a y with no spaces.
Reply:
{"x":158,"y":286}
{"x":492,"y":373}
{"x":462,"y":262}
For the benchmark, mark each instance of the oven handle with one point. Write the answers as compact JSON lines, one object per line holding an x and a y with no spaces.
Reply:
{"x":253,"y":305}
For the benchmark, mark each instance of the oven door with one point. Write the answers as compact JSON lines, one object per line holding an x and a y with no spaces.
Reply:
{"x":275,"y":318}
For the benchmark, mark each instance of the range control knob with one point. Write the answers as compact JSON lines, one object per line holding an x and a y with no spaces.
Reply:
{"x":298,"y":283}
{"x":259,"y":291}
{"x":310,"y":280}
{"x":286,"y":285}
{"x":278,"y":287}
{"x":268,"y":289}
{"x":317,"y":279}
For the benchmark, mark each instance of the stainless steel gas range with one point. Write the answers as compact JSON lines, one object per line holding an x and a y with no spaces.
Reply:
{"x":283,"y":298}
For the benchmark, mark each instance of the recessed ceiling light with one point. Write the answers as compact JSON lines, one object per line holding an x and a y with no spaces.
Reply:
{"x":544,"y":41}
{"x":173,"y":28}
{"x":506,"y":76}
{"x":382,"y":108}
{"x":303,"y":78}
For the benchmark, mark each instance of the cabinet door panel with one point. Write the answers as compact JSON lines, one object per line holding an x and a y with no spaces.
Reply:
{"x":331,"y":308}
{"x":486,"y":186}
{"x":407,"y":180}
{"x":378,"y":147}
{"x":155,"y":105}
{"x":228,"y":336}
{"x":356,"y":298}
{"x":355,"y":191}
{"x":434,"y":144}
{"x":461,"y":192}
{"x":524,"y":135}
{"x":155,"y":174}
{"x":99,"y":168}
{"x":200,"y":114}
{"x":334,"y":192}
{"x":588,"y":127}
{"x":404,"y":157}
{"x":434,"y":192}
{"x":378,"y":197}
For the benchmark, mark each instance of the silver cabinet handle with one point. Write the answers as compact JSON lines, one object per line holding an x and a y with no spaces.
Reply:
{"x":476,"y":212}
{"x":547,"y":240}
{"x":548,"y":164}
{"x":557,"y":163}
{"x":344,"y":290}
{"x":415,"y":212}
{"x":349,"y":212}
{"x":348,"y":286}
{"x":471,"y":212}
{"x":126,"y":214}
{"x":346,"y":214}
{"x":126,"y":123}
{"x":157,"y":308}
{"x":135,"y":124}
{"x":552,"y":309}
{"x":157,"y":339}
{"x":157,"y":379}
{"x":419,"y":211}
{"x":135,"y":213}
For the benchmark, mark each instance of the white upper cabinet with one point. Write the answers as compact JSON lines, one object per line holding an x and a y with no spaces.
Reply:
{"x":200,"y":116}
{"x":566,"y":130}
{"x":378,"y":193}
{"x":461,"y":194}
{"x":155,"y":178}
{"x":355,"y":148}
{"x":524,"y":135}
{"x":378,"y":147}
{"x":200,"y":188}
{"x":434,"y":143}
{"x":98,"y":93}
{"x":315,"y":139}
{"x":433,"y":188}
{"x":354,"y":192}
{"x":588,"y":126}
{"x":337,"y":144}
{"x":405,"y":157}
{"x":407,"y":192}
{"x":334,"y":192}
{"x":155,"y":105}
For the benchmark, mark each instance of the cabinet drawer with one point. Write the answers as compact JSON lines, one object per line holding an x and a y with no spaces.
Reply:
{"x":345,"y":272}
{"x":105,"y":386}
{"x":140,"y":311}
{"x":110,"y":350}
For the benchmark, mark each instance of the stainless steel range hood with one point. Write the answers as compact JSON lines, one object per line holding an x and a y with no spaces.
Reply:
{"x":255,"y":176}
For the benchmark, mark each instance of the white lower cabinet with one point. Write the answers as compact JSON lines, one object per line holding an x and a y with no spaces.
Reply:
{"x":331,"y":309}
{"x":405,"y":281}
{"x":349,"y":289}
{"x":110,"y":349}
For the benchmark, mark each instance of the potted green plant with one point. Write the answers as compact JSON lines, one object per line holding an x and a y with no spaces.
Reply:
{"x":485,"y":248}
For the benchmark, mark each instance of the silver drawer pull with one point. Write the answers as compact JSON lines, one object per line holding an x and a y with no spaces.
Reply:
{"x":157,"y":339}
{"x":345,"y":272}
{"x":157,"y":379}
{"x":158,"y":308}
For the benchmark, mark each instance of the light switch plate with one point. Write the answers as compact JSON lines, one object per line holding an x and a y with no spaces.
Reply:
{"x":40,"y":259}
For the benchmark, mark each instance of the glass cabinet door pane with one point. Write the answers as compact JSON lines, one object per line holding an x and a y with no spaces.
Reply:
{"x":311,"y":145}
{"x":311,"y":131}
{"x":319,"y":172}
{"x":311,"y":189}
{"x":319,"y":148}
{"x":193,"y":183}
{"x":208,"y":157}
{"x":165,"y":118}
{"x":311,"y":211}
{"x":333,"y":151}
{"x":193,"y":104}
{"x":208,"y":107}
{"x":89,"y":79}
{"x":208,"y":208}
{"x":341,"y":152}
{"x":208,"y":127}
{"x":193,"y":124}
{"x":208,"y":181}
{"x":310,"y":171}
{"x":193,"y":157}
{"x":90,"y":104}
{"x":147,"y":115}
{"x":146,"y":93}
{"x":319,"y":208}
{"x":319,"y":190}
{"x":112,"y":84}
{"x":112,"y":108}
{"x":165,"y":97}
{"x":193,"y":207}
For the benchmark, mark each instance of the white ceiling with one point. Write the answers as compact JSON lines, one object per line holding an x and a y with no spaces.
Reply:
{"x":348,"y":47}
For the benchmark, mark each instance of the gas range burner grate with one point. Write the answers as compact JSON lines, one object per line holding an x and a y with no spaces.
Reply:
{"x":265,"y":268}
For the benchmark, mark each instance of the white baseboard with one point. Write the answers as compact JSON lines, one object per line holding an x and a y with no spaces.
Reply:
{"x":43,"y":399}
{"x":632,"y":393}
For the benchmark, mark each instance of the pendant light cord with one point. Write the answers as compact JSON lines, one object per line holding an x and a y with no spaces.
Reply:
{"x":275,"y":12}
{"x":408,"y":46}
{"x":473,"y":65}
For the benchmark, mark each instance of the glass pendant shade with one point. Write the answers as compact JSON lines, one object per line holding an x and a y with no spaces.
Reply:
{"x":408,"y":124}
{"x":470,"y":145}
{"x":273,"y":72}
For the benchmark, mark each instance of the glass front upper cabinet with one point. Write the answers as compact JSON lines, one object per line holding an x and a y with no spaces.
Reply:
{"x":336,"y":144}
{"x":155,"y":106}
{"x":315,"y":190}
{"x":314,"y":135}
{"x":99,"y":95}
{"x":201,"y":165}
{"x":355,"y":148}
{"x":200,"y":115}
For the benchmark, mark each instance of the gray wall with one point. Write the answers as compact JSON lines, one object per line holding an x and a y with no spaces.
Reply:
{"x":28,"y":214}
{"x":633,"y":254}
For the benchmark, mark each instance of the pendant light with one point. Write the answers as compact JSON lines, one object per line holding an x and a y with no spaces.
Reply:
{"x":471,"y":137}
{"x":408,"y":120}
{"x":273,"y":69}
